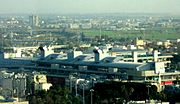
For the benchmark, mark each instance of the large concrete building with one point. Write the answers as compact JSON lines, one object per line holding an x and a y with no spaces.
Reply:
{"x":136,"y":65}
{"x":34,"y":21}
{"x":12,"y":84}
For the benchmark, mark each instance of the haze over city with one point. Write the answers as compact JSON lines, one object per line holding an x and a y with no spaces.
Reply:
{"x":89,"y":51}
{"x":90,"y":6}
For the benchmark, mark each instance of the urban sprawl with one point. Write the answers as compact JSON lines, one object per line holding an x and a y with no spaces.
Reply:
{"x":89,"y":59}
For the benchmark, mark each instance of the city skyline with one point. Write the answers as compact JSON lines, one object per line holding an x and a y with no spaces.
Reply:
{"x":90,"y":6}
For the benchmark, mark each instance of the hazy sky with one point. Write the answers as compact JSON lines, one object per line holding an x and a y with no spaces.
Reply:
{"x":90,"y":6}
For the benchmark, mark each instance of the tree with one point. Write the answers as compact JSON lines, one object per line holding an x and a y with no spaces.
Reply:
{"x":127,"y":92}
{"x":118,"y":92}
{"x":55,"y":95}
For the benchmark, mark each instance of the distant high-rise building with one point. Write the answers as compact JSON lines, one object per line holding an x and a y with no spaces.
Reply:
{"x":34,"y":21}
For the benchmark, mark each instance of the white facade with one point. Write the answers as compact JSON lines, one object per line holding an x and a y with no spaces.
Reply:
{"x":41,"y":82}
{"x":86,"y":26}
{"x":159,"y":67}
{"x":74,"y":26}
{"x":155,"y":55}
{"x":135,"y":56}
{"x":43,"y":86}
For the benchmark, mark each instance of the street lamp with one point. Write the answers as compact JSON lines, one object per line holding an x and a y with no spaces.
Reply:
{"x":71,"y":78}
{"x":91,"y":90}
{"x":17,"y":88}
{"x":148,"y":86}
{"x":76,"y":87}
{"x":83,"y":93}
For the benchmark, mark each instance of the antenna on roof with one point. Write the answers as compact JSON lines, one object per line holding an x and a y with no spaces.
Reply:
{"x":50,"y":35}
{"x":100,"y":32}
{"x":11,"y":35}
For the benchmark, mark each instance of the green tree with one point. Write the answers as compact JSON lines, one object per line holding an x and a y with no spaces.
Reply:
{"x":55,"y":95}
{"x":118,"y":92}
